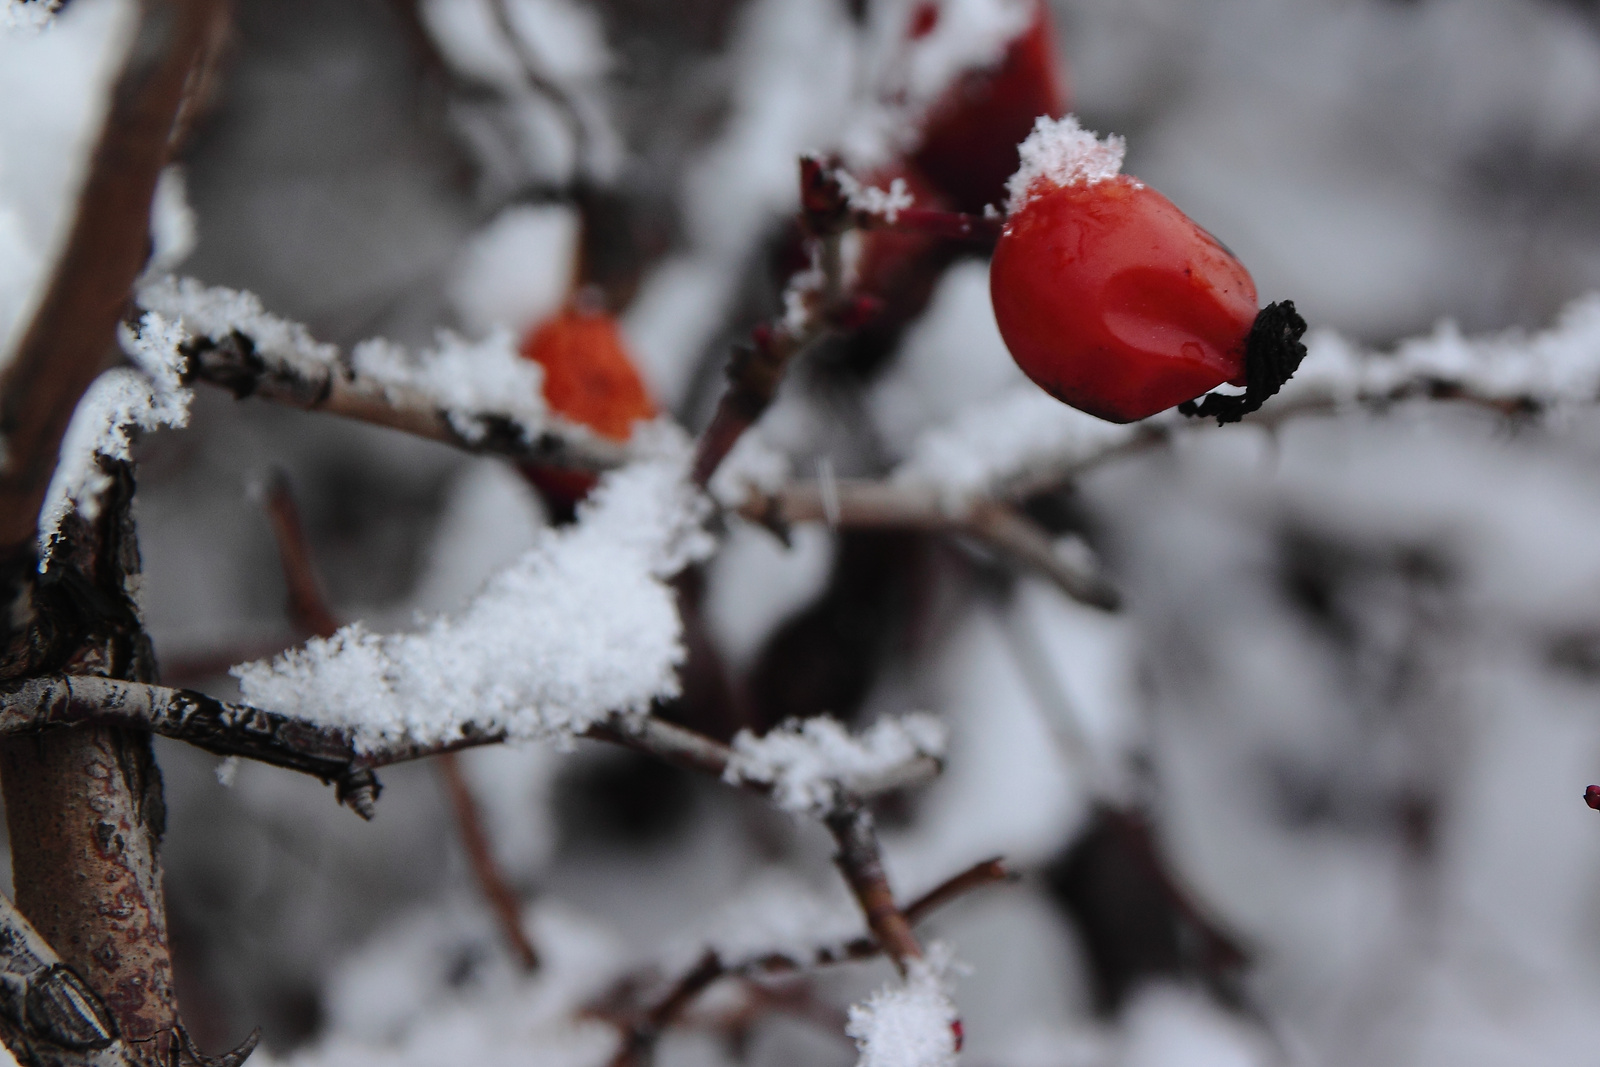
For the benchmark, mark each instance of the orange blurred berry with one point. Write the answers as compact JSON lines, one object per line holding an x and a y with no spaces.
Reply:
{"x":589,"y":379}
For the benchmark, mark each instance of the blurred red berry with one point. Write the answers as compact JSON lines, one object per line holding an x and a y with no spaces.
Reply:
{"x":1591,"y":797}
{"x":970,"y":137}
{"x":588,"y":379}
{"x":1113,"y":300}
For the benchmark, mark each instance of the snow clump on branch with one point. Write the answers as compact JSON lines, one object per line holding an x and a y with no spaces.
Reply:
{"x":909,"y":1024}
{"x":119,"y":403}
{"x":469,"y":382}
{"x":808,"y":762}
{"x":582,"y":628}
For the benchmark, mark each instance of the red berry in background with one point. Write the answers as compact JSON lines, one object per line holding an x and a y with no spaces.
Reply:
{"x":1591,"y":797}
{"x":588,"y":379}
{"x":970,"y":137}
{"x":1108,"y":296}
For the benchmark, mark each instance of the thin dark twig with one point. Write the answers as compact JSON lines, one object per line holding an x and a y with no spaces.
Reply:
{"x":308,"y":608}
{"x":480,"y":853}
{"x":711,"y":967}
{"x":888,"y":504}
{"x":308,"y":604}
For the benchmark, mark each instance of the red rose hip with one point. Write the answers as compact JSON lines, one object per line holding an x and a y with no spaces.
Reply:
{"x":1108,"y":297}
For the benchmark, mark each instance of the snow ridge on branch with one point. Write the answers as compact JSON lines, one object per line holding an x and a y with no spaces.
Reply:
{"x":808,"y":764}
{"x":582,"y":629}
{"x":119,"y":403}
{"x":477,"y":395}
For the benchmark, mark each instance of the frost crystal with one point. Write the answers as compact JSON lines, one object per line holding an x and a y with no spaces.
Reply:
{"x":886,"y":203}
{"x":216,"y":313}
{"x":119,"y":402}
{"x":807,"y":762}
{"x":909,"y":1024}
{"x":1059,"y":152}
{"x":582,"y":627}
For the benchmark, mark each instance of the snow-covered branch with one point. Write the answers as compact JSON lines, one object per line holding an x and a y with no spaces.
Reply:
{"x":481,"y":397}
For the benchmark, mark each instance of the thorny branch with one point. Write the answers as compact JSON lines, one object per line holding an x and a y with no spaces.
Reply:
{"x":338,"y":389}
{"x":875,"y":504}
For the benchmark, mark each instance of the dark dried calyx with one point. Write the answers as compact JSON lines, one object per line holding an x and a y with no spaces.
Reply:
{"x":1272,"y":354}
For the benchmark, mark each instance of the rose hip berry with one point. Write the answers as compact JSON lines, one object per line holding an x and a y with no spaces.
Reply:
{"x":588,"y":379}
{"x":1109,"y":297}
{"x":970,"y":137}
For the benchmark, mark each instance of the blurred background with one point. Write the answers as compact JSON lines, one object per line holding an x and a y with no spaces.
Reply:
{"x":1349,"y":709}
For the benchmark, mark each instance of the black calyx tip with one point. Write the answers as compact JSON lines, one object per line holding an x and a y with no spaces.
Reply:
{"x":1272,"y":354}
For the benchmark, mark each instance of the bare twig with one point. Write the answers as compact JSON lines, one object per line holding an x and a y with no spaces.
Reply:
{"x":906,"y":506}
{"x":711,"y":967}
{"x":857,"y":855}
{"x":308,"y":608}
{"x":308,"y":604}
{"x":234,"y":363}
{"x":480,"y":853}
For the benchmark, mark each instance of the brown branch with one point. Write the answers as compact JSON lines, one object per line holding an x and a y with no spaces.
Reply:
{"x":330,"y":753}
{"x":480,"y":853}
{"x":234,"y":362}
{"x":873,"y":504}
{"x":858,"y":858}
{"x":308,"y":604}
{"x":74,"y":328}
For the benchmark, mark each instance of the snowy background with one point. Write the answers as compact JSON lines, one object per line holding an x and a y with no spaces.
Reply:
{"x":1356,"y":680}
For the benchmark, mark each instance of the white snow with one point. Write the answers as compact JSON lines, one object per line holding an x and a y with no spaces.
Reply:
{"x":216,"y":312}
{"x":1019,"y":432}
{"x":468,"y":379}
{"x":118,"y":404}
{"x":581,"y":628}
{"x":1558,"y":367}
{"x":807,"y":762}
{"x":909,"y":1023}
{"x":516,"y":271}
{"x":54,"y":72}
{"x":1059,"y":153}
{"x":26,"y":14}
{"x":912,"y":76}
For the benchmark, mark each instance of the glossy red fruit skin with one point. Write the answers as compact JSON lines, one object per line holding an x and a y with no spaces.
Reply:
{"x":1114,"y":301}
{"x":588,"y":379}
{"x":970,"y":137}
